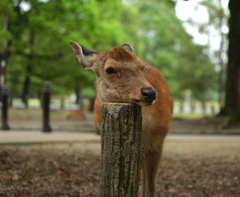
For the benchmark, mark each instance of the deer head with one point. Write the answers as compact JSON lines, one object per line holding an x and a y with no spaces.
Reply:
{"x":120,"y":74}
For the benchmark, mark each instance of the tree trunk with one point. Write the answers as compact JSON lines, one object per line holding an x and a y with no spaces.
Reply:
{"x":26,"y":87}
{"x":77,"y":92}
{"x":122,"y":150}
{"x":204,"y":100}
{"x":27,"y":82}
{"x":220,"y":54}
{"x":232,"y":102}
{"x":4,"y":54}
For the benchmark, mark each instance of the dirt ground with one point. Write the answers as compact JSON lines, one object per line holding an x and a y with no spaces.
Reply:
{"x":188,"y":168}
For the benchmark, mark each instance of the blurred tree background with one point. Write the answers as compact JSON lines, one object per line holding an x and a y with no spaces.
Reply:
{"x":39,"y":31}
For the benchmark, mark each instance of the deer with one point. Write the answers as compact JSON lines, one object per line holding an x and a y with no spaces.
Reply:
{"x":76,"y":114}
{"x":122,"y":77}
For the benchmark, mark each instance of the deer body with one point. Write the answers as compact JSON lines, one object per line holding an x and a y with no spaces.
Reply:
{"x":123,"y":77}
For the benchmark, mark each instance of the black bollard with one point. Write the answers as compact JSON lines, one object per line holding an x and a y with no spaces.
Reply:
{"x":5,"y":107}
{"x":46,"y":105}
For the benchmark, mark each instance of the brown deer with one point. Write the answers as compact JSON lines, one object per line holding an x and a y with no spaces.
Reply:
{"x":122,"y":77}
{"x":76,"y":114}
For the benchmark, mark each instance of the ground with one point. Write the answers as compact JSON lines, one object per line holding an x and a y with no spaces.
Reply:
{"x":190,"y":167}
{"x":29,"y":119}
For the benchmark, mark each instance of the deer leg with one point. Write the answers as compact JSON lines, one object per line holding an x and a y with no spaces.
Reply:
{"x":143,"y":183}
{"x":151,"y":169}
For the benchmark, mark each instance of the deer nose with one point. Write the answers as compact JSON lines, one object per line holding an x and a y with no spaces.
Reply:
{"x":149,"y":94}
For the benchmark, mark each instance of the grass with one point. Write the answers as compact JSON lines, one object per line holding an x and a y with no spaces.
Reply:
{"x":199,"y":104}
{"x":191,"y":116}
{"x":36,"y":101}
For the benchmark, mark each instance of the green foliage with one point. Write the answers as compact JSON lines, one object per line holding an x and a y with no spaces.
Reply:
{"x":39,"y":43}
{"x":6,"y":11}
{"x":165,"y":45}
{"x":217,"y":21}
{"x":40,"y":47}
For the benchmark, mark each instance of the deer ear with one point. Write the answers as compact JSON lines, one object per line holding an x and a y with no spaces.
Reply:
{"x":128,"y":47}
{"x":85,"y":56}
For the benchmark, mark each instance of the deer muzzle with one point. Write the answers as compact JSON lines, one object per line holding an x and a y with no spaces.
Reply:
{"x":149,"y":95}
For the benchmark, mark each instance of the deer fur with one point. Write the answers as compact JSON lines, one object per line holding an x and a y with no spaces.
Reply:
{"x":122,"y":77}
{"x":76,"y":114}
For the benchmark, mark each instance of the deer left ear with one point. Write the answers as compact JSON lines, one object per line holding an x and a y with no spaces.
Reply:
{"x":85,"y":56}
{"x":128,"y":47}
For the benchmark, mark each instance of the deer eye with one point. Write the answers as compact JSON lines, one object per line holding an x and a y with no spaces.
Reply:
{"x":110,"y":70}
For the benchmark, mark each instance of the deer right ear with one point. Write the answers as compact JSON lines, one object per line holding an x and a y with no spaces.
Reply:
{"x":128,"y":47}
{"x":85,"y":56}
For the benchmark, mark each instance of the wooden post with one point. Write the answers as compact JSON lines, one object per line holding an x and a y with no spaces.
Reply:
{"x":5,"y":107}
{"x":121,"y":150}
{"x":46,"y":106}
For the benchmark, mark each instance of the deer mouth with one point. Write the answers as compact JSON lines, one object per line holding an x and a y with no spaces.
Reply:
{"x":144,"y":103}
